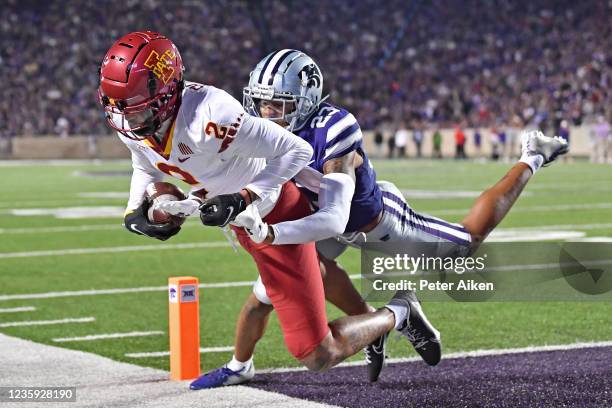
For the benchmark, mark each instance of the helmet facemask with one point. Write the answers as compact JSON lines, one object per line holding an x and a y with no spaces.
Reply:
{"x":291,"y":80}
{"x":141,"y":82}
{"x":142,"y":120}
{"x":292,"y":109}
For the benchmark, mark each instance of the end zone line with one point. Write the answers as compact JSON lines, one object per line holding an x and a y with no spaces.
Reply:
{"x":47,"y":322}
{"x":461,"y":355}
{"x":85,"y":251}
{"x":108,"y":336}
{"x":18,"y":309}
{"x":167,"y":353}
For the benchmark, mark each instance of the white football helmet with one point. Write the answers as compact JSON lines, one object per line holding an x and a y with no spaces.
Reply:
{"x":287,"y":76}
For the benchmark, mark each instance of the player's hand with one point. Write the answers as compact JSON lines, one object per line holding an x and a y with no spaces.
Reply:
{"x":251,"y":221}
{"x":220,"y":210}
{"x":182,"y":208}
{"x":137,"y":222}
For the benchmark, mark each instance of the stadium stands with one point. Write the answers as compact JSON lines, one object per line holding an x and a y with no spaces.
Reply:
{"x":477,"y":61}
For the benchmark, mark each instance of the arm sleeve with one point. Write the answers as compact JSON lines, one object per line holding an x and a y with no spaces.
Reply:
{"x":335,"y":196}
{"x":285,"y":153}
{"x":143,"y":174}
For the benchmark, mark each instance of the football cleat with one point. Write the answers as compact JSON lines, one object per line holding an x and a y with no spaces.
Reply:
{"x":534,"y":142}
{"x":375,"y":356}
{"x":417,"y":329}
{"x":223,"y":376}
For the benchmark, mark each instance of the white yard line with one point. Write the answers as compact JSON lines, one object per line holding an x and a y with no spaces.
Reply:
{"x":48,"y":322}
{"x":62,"y":162}
{"x":463,"y":354}
{"x":119,"y":291}
{"x":196,"y":223}
{"x":535,"y":208}
{"x":108,"y":336}
{"x":18,"y":309}
{"x":82,"y":228}
{"x":223,"y":349}
{"x":116,"y":291}
{"x":132,"y":248}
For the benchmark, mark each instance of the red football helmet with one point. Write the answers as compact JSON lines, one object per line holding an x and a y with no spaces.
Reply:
{"x":141,"y":80}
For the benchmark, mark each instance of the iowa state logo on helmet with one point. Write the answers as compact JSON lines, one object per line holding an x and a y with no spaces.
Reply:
{"x":161,"y":65}
{"x":311,"y":75}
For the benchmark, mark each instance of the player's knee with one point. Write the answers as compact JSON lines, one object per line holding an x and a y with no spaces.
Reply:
{"x":323,"y":357}
{"x":253,"y":307}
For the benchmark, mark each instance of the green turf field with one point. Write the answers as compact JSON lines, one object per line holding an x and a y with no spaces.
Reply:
{"x":567,"y":196}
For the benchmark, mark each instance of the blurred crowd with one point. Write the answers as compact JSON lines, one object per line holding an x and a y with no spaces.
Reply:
{"x":414,"y":64}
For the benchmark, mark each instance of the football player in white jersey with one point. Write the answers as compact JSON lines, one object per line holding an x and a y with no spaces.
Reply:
{"x":286,"y":87}
{"x":201,"y":135}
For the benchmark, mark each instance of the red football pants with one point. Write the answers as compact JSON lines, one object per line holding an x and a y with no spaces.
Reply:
{"x":292,"y":277}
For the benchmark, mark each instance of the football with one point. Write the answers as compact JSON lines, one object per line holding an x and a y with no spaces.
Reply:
{"x":159,"y":192}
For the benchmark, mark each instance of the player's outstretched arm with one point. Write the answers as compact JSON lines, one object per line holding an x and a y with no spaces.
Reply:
{"x":335,"y":196}
{"x":285,"y":153}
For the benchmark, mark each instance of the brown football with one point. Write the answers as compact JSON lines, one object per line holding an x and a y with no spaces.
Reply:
{"x":159,"y":192}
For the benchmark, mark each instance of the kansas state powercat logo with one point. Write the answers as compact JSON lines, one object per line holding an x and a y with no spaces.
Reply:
{"x":173,"y":294}
{"x":313,"y":76}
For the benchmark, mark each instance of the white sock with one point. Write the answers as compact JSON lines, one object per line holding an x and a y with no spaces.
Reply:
{"x":400,"y":313}
{"x":534,"y":162}
{"x":236,"y":365}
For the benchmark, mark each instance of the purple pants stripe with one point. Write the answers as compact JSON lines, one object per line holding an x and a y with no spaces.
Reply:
{"x":427,"y":229}
{"x":398,"y":200}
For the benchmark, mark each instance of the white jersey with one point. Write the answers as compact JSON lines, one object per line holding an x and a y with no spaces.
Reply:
{"x":216,"y":148}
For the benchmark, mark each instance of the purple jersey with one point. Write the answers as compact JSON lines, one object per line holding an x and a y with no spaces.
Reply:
{"x":334,"y":132}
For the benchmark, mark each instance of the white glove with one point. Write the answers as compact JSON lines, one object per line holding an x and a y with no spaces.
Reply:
{"x":182,"y":208}
{"x":251,"y":221}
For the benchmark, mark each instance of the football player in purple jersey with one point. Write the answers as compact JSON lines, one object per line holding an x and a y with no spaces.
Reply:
{"x":354,"y":208}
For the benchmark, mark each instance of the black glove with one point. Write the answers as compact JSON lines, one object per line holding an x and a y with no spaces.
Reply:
{"x":220,"y":210}
{"x":138,"y":223}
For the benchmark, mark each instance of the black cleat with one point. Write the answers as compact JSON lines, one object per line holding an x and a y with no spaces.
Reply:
{"x":423,"y":336}
{"x":375,"y":356}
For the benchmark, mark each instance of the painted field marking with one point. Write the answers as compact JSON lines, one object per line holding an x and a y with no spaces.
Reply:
{"x":48,"y":322}
{"x":83,"y":228}
{"x":69,"y":212}
{"x":62,"y":162}
{"x":18,"y":309}
{"x":85,"y":212}
{"x":109,"y":336}
{"x":595,"y":239}
{"x":102,"y":250}
{"x":196,"y":223}
{"x":537,"y":208}
{"x":105,"y":194}
{"x":222,"y":349}
{"x":462,"y":355}
{"x":118,"y":291}
{"x":446,"y":194}
{"x":530,"y":236}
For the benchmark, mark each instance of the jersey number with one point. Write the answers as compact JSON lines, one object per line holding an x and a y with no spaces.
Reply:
{"x":323,"y":117}
{"x":177,"y":172}
{"x":220,"y":132}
